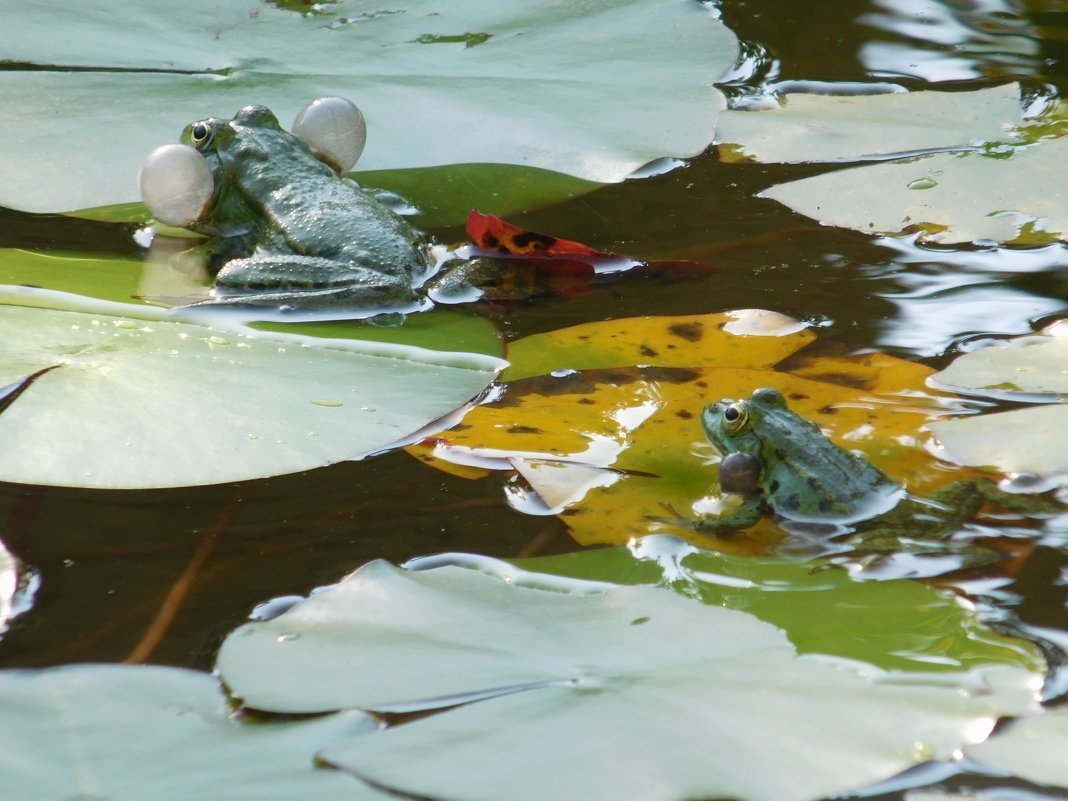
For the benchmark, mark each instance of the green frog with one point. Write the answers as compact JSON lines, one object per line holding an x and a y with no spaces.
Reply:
{"x":289,"y":227}
{"x":777,"y":463}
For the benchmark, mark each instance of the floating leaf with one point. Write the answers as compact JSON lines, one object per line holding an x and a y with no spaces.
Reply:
{"x":130,"y":733}
{"x":746,"y":338}
{"x":113,"y":395}
{"x":640,"y":425}
{"x":896,"y":625}
{"x":489,"y":232}
{"x":1016,"y":197}
{"x":587,"y":91}
{"x":1026,"y":365}
{"x":570,"y":675}
{"x":841,"y":128}
{"x":1019,"y":441}
{"x":1032,"y":749}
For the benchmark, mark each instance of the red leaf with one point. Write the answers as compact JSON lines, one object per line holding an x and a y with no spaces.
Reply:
{"x":490,"y":232}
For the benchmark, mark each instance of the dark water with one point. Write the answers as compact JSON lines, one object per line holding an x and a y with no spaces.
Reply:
{"x":103,"y":562}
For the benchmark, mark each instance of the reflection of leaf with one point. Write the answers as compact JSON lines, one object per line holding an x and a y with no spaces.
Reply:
{"x":140,"y":401}
{"x":1032,"y":749}
{"x":823,"y":127}
{"x":1019,"y":199}
{"x":134,"y":733}
{"x":570,"y":676}
{"x":511,"y":99}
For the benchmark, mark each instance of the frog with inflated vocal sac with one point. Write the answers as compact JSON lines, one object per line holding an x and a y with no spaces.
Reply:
{"x":777,"y":463}
{"x":290,"y":227}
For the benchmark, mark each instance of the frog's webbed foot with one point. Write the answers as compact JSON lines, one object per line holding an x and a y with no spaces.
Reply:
{"x":881,"y":545}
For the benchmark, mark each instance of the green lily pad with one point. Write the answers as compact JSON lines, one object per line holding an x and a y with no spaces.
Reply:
{"x":112,"y":395}
{"x":570,"y":675}
{"x":1016,"y":197}
{"x":838,"y":128}
{"x":128,"y":733}
{"x":590,"y":91}
{"x":108,"y":278}
{"x":895,"y":625}
{"x":1032,"y":749}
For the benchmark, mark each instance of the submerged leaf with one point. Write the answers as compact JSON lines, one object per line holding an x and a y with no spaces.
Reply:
{"x":129,"y":733}
{"x":570,"y":675}
{"x":428,"y":101}
{"x":113,"y":395}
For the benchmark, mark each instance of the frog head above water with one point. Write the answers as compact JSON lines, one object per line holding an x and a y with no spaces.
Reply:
{"x":288,"y":225}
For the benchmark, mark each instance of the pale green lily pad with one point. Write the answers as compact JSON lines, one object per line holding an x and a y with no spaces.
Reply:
{"x":838,"y":128}
{"x":590,"y":91}
{"x":568,"y":676}
{"x":1017,"y":197}
{"x":1019,"y":441}
{"x":122,"y":396}
{"x":1024,"y":365}
{"x":1032,"y":749}
{"x":126,"y":733}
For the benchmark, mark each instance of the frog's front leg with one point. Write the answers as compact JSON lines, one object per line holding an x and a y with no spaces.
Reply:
{"x":733,"y":511}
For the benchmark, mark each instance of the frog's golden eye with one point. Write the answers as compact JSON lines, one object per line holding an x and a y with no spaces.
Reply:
{"x":200,"y":133}
{"x":736,"y":416}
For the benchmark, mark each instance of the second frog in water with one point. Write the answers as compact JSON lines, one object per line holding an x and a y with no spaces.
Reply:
{"x":777,"y":463}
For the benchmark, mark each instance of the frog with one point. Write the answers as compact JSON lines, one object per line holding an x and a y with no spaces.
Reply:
{"x":776,"y":463}
{"x":288,"y":226}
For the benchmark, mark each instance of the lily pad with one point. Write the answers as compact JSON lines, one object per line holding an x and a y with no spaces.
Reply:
{"x":1030,"y":365}
{"x":1018,"y":441}
{"x":840,"y":128}
{"x":130,"y":733}
{"x":570,"y":675}
{"x":1015,"y":197}
{"x":590,"y":91}
{"x":895,"y":625}
{"x":112,"y":395}
{"x":1032,"y":749}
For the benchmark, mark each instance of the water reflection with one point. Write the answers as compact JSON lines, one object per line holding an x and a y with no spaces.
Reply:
{"x":938,"y":41}
{"x":942,"y":296}
{"x":18,"y":584}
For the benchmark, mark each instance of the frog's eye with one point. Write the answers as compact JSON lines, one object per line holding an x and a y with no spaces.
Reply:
{"x":736,"y":416}
{"x":200,"y":133}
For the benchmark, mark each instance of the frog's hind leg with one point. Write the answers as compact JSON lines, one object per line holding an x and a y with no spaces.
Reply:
{"x":298,"y":275}
{"x":965,"y":497}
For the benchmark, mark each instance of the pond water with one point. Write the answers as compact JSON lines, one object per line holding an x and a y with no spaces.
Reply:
{"x":103,"y":563}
